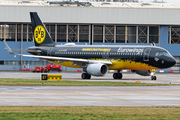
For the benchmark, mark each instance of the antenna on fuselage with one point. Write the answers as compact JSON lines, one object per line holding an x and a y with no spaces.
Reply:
{"x":153,"y":44}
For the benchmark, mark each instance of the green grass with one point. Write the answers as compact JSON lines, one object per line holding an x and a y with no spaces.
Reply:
{"x":36,"y":82}
{"x":88,"y":113}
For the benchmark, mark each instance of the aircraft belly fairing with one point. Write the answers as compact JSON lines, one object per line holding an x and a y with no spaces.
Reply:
{"x":116,"y":65}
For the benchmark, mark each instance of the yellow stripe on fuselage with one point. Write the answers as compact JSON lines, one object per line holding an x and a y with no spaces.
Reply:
{"x":118,"y":64}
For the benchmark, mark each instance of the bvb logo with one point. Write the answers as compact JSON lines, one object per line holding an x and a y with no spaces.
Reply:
{"x":39,"y":34}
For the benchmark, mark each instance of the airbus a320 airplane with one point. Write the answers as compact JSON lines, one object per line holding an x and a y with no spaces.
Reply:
{"x":97,"y":60}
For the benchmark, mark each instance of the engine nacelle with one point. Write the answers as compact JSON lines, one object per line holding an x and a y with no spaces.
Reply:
{"x":143,"y":72}
{"x":97,"y":69}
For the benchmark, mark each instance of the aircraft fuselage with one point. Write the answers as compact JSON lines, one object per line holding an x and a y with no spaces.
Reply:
{"x":122,"y":57}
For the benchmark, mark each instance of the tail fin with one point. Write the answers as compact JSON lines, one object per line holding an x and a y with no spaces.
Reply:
{"x":41,"y":35}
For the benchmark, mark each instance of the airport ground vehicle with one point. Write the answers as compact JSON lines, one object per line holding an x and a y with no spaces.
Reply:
{"x":54,"y":68}
{"x":48,"y":68}
{"x":40,"y":69}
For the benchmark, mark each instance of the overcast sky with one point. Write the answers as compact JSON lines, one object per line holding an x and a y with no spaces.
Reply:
{"x":167,"y":1}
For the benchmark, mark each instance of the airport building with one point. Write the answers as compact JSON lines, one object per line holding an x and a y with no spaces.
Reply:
{"x":102,"y":23}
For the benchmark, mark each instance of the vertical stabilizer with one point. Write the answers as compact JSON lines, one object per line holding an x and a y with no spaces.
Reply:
{"x":41,"y":35}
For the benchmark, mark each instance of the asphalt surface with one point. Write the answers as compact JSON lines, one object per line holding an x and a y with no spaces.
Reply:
{"x":162,"y":78}
{"x":92,"y":95}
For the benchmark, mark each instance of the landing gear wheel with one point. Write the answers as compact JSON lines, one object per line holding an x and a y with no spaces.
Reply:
{"x":86,"y":76}
{"x":153,"y":77}
{"x":83,"y":76}
{"x":117,"y":75}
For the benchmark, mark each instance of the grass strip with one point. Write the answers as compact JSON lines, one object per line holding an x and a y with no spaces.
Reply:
{"x":36,"y":82}
{"x":88,"y":113}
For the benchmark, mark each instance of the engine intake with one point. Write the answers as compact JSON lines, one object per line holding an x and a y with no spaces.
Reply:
{"x":97,"y":69}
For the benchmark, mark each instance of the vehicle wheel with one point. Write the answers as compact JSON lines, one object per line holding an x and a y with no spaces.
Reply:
{"x":84,"y":76}
{"x":115,"y":75}
{"x":88,"y":76}
{"x":119,"y":75}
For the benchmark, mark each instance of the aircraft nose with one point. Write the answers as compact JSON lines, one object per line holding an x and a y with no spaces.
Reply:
{"x":168,"y":62}
{"x":173,"y":62}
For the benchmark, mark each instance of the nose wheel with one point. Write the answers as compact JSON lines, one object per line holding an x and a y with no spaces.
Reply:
{"x":117,"y":75}
{"x":153,"y":77}
{"x":86,"y":76}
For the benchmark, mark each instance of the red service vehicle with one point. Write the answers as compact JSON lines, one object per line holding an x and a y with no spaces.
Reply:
{"x":37,"y":69}
{"x":40,"y":69}
{"x":54,"y":68}
{"x":44,"y":69}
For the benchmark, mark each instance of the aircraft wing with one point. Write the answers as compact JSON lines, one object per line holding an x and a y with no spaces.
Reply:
{"x":58,"y":58}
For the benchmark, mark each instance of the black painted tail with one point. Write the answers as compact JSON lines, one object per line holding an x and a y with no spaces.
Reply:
{"x":41,"y":35}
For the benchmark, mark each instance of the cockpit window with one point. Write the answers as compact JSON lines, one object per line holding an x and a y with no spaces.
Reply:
{"x":166,"y":54}
{"x":162,"y":54}
{"x":157,"y":54}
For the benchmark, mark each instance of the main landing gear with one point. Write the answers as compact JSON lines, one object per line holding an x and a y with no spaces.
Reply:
{"x":117,"y":75}
{"x":153,"y":77}
{"x":86,"y":76}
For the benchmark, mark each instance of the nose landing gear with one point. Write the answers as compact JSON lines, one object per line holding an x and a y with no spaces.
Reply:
{"x":153,"y":77}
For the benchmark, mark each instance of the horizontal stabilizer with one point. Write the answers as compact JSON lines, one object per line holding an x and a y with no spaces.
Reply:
{"x":36,"y":51}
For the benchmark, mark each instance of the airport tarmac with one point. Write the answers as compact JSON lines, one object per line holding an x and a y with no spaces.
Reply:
{"x":162,"y":78}
{"x":90,"y":96}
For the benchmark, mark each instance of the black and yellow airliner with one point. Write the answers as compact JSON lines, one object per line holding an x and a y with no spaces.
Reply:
{"x":97,"y":60}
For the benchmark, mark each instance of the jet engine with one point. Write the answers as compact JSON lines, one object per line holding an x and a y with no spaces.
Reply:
{"x":97,"y":69}
{"x":143,"y":72}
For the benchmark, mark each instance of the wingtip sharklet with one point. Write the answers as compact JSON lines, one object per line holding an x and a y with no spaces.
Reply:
{"x":8,"y":48}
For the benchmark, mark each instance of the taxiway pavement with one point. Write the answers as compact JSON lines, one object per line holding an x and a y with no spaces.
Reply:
{"x":90,"y":96}
{"x":162,"y":78}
